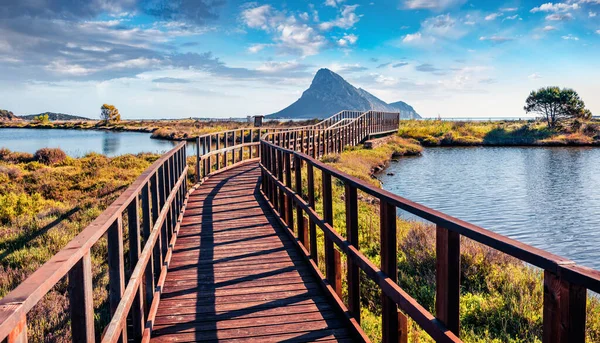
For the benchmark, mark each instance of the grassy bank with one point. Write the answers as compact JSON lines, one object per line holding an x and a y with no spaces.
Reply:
{"x":456,"y":133}
{"x":501,"y":297}
{"x":45,"y":200}
{"x":179,"y":129}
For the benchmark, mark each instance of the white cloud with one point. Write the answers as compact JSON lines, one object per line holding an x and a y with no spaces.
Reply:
{"x":509,"y":9}
{"x":495,"y":39}
{"x":559,"y":17}
{"x":413,"y":38}
{"x":549,"y":28}
{"x":493,"y":16}
{"x":570,"y":37}
{"x":535,"y":76}
{"x":288,"y":33}
{"x":274,"y":67}
{"x":346,"y":20}
{"x":513,"y":17}
{"x":598,"y":32}
{"x":333,"y":3}
{"x":591,"y":14}
{"x":438,"y":27}
{"x":557,"y":7}
{"x":257,"y":47}
{"x":304,"y":16}
{"x":258,"y":17}
{"x":347,"y":40}
{"x":434,"y":5}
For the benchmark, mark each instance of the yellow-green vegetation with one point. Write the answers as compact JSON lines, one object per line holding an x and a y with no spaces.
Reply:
{"x":501,"y":297}
{"x":175,"y":129}
{"x":453,"y":133}
{"x":45,"y":200}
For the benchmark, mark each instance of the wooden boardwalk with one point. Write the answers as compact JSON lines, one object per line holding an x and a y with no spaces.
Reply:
{"x":235,"y":275}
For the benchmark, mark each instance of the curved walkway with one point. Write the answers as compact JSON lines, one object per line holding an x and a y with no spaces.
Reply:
{"x":235,"y":275}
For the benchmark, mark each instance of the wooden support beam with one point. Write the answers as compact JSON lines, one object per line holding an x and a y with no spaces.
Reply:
{"x":137,"y":308}
{"x":564,"y":310}
{"x":116,"y":268}
{"x":332,"y":255}
{"x":389,"y":266}
{"x":351,"y":200}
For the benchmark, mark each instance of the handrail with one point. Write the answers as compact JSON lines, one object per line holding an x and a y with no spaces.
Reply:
{"x":287,"y":153}
{"x":162,"y":190}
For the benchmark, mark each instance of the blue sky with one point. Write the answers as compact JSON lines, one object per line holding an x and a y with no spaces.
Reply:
{"x":219,"y":58}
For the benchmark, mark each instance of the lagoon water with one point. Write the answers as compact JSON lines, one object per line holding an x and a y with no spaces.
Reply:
{"x":546,"y":197}
{"x":77,"y":143}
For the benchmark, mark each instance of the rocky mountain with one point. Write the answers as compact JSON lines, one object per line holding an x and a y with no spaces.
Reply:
{"x":8,"y":116}
{"x":329,"y":93}
{"x":55,"y":116}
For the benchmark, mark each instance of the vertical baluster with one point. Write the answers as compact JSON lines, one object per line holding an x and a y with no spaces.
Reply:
{"x":332,"y":256}
{"x":198,"y":159}
{"x":389,"y":310}
{"x":146,"y":230}
{"x":351,"y":200}
{"x":447,"y":278}
{"x":302,"y":233}
{"x":137,"y":309}
{"x":19,"y":333}
{"x":279,"y":165}
{"x":116,"y":268}
{"x":81,"y":298}
{"x":154,"y":197}
{"x":242,"y":136}
{"x":289,"y":207}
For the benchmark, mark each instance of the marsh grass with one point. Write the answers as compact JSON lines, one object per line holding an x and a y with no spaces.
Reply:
{"x":448,"y":133}
{"x":501,"y":297}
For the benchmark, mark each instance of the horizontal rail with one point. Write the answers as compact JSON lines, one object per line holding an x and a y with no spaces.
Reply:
{"x":161,"y":189}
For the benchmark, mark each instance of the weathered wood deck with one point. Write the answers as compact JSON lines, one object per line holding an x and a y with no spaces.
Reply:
{"x":236,"y":276}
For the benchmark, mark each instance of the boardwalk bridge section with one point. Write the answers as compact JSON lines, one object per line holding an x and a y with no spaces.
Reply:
{"x":234,"y":257}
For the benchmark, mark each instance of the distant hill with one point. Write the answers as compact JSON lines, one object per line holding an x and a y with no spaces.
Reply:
{"x":8,"y":116}
{"x":329,"y":93}
{"x":55,"y":116}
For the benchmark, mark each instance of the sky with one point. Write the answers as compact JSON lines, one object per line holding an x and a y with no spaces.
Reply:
{"x":225,"y":58}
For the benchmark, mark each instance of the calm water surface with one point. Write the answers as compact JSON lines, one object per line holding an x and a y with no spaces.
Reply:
{"x":546,"y":197}
{"x":77,"y":143}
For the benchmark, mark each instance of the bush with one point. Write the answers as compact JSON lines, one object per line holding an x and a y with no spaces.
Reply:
{"x":50,"y":156}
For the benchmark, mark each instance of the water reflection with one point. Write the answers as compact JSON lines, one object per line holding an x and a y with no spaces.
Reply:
{"x":110,"y":144}
{"x":545,"y":197}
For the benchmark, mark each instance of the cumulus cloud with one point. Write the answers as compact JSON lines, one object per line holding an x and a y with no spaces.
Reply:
{"x":345,"y":20}
{"x":254,"y":48}
{"x":549,"y":28}
{"x":535,"y":76}
{"x":347,"y":40}
{"x":289,"y":34}
{"x":591,"y":14}
{"x":557,"y":7}
{"x":438,"y":27}
{"x":434,"y":5}
{"x":347,"y":68}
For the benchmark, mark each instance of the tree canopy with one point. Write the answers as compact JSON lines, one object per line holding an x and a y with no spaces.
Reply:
{"x":109,"y":113}
{"x":554,"y":103}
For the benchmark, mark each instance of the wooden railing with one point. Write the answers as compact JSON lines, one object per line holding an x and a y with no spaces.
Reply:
{"x":283,"y":159}
{"x":153,"y":205}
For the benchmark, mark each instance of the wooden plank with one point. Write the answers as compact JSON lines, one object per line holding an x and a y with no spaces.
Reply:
{"x":447,"y":303}
{"x":81,"y":299}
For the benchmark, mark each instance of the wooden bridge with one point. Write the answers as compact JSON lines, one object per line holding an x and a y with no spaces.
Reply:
{"x":235,"y":256}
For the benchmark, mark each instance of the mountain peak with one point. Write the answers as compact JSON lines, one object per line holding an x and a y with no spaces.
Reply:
{"x":329,"y":93}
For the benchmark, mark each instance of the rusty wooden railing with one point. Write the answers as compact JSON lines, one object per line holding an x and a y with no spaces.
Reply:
{"x":160,"y":193}
{"x":287,"y":155}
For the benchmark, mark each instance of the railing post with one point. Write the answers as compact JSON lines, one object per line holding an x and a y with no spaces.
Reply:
{"x":351,"y":200}
{"x":198,"y":176}
{"x":137,"y":308}
{"x":332,"y":256}
{"x":389,"y":266}
{"x":225,"y":145}
{"x":116,"y":268}
{"x":217,"y":147}
{"x":564,"y":310}
{"x":19,"y":333}
{"x":147,"y":228}
{"x":242,"y":146}
{"x":302,"y":233}
{"x":81,"y":298}
{"x":447,"y":304}
{"x":281,"y":194}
